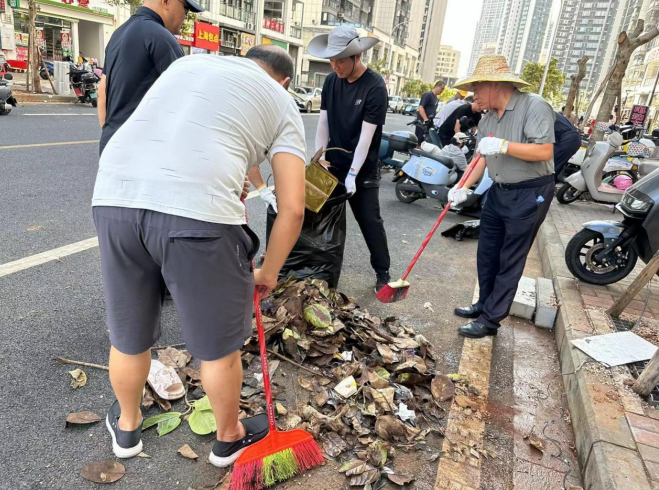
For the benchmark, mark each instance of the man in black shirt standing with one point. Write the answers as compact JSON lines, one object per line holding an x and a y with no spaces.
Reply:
{"x":353,"y":111}
{"x":137,"y":54}
{"x":461,"y":120}
{"x":428,"y":109}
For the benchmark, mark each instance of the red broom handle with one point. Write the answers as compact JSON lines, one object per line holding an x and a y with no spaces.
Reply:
{"x":464,"y":178}
{"x":265,"y":368}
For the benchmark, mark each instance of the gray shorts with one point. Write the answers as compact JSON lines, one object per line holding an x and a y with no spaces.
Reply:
{"x":206,"y":267}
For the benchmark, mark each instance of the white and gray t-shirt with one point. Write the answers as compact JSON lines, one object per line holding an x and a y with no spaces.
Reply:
{"x":188,"y":145}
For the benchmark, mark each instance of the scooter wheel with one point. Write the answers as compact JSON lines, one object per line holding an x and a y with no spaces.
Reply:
{"x":567,"y":194}
{"x":405,"y":196}
{"x":94,"y":102}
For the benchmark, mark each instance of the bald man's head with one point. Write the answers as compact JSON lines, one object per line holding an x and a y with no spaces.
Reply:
{"x":275,"y":60}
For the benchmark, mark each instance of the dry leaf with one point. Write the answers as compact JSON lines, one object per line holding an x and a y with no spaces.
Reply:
{"x":536,"y":442}
{"x":354,"y":467}
{"x":334,"y":445}
{"x":370,"y":475}
{"x":400,"y":479}
{"x":280,"y":409}
{"x":79,"y":378}
{"x":442,"y":388}
{"x":82,"y":418}
{"x":387,"y":354}
{"x":187,"y":452}
{"x":384,"y":398}
{"x":173,"y":357}
{"x":305,"y":383}
{"x":143,"y":455}
{"x":103,"y":471}
{"x":464,"y":402}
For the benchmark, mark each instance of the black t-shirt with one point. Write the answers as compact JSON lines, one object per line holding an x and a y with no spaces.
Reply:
{"x":348,"y":105}
{"x":447,"y":129}
{"x":429,"y":103}
{"x":567,"y":143}
{"x":139,"y":52}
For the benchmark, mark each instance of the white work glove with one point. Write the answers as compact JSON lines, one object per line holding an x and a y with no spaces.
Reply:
{"x":351,"y":186}
{"x":458,"y":196}
{"x":490,"y":145}
{"x":268,"y":197}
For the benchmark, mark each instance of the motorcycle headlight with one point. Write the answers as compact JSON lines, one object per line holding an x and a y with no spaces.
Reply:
{"x":634,"y":204}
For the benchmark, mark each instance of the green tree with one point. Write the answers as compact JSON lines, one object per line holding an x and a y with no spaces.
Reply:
{"x":447,"y":94}
{"x":532,"y":74}
{"x":379,"y":66}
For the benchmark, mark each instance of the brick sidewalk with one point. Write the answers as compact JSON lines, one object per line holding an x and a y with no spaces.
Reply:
{"x":569,"y":220}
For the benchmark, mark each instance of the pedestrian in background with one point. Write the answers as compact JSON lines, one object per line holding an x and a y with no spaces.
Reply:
{"x":428,"y":109}
{"x":459,"y":95}
{"x":519,"y":160}
{"x":353,"y":111}
{"x":568,"y":142}
{"x":139,"y":51}
{"x":168,"y":212}
{"x":461,"y":120}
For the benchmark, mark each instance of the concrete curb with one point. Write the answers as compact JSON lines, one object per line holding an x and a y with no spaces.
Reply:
{"x":23,"y":98}
{"x":607,"y":453}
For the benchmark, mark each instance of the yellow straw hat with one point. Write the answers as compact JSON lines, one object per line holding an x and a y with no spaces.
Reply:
{"x":491,"y":68}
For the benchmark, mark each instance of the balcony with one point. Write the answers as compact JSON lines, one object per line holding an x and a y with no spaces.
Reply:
{"x":296,"y":32}
{"x":237,"y":13}
{"x":331,"y":4}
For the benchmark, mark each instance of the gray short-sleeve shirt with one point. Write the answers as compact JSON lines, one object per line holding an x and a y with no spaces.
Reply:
{"x":528,"y":118}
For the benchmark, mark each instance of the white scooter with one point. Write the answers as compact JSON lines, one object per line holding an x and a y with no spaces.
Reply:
{"x":591,"y":176}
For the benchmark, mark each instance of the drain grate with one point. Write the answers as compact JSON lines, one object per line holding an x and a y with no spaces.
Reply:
{"x":636,"y":368}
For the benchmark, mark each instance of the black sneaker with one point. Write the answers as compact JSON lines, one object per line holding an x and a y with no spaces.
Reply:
{"x":383,"y":278}
{"x":125,"y":444}
{"x":226,"y":453}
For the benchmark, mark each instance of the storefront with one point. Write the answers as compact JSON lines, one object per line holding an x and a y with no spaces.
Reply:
{"x":65,"y":29}
{"x":268,"y":40}
{"x":199,"y":38}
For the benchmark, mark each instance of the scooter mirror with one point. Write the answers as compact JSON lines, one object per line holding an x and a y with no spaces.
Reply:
{"x":9,"y":76}
{"x":615,"y":139}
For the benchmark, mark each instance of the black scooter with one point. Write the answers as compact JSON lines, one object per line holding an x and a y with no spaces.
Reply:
{"x":605,"y":252}
{"x":7,"y":100}
{"x":84,"y":84}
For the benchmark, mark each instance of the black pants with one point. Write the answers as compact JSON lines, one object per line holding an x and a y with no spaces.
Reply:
{"x":509,"y":223}
{"x":365,"y":205}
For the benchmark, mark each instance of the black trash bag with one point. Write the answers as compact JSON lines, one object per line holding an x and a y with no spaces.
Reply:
{"x":318,"y":252}
{"x":468,"y":229}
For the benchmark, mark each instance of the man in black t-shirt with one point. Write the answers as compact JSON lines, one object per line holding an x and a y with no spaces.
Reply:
{"x":428,"y":109}
{"x":461,"y":120}
{"x":139,"y":52}
{"x":353,"y":111}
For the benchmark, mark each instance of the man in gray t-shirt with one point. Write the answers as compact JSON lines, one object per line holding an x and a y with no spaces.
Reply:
{"x":516,"y":140}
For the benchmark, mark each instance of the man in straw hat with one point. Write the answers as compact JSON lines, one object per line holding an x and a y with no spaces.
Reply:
{"x":519,"y":159}
{"x":353,"y":111}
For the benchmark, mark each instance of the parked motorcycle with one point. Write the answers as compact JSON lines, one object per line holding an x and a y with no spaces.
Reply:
{"x":84,"y":83}
{"x":607,"y":188}
{"x":604,"y":252}
{"x":402,"y":142}
{"x":49,"y":70}
{"x":7,"y":100}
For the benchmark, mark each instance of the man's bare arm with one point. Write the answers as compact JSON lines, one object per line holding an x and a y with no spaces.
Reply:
{"x":101,"y":102}
{"x":255,"y":177}
{"x":422,"y":113}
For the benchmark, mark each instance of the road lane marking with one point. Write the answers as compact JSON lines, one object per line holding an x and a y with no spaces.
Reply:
{"x":42,"y":258}
{"x":56,"y":143}
{"x":466,"y":428}
{"x":66,"y":250}
{"x":63,"y":114}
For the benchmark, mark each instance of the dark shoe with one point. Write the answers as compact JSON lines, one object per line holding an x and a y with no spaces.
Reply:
{"x":476,"y":330}
{"x":125,"y":444}
{"x":473,"y":311}
{"x":383,"y":278}
{"x":226,"y":453}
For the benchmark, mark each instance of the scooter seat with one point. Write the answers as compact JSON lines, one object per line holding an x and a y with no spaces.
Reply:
{"x":444,"y":160}
{"x":646,"y":167}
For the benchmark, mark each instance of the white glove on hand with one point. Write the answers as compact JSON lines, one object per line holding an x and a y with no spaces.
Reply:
{"x":490,"y":145}
{"x":458,"y":196}
{"x":268,"y":197}
{"x":351,"y":186}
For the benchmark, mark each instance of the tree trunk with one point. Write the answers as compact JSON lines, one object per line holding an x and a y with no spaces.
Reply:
{"x":648,"y":378}
{"x":574,"y":87}
{"x":626,"y":46}
{"x":595,"y":97}
{"x":34,"y":55}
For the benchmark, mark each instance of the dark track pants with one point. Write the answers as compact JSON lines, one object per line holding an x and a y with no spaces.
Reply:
{"x":509,"y":223}
{"x":365,"y":205}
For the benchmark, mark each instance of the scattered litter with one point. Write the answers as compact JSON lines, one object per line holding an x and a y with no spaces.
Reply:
{"x":79,"y":378}
{"x":405,"y":414}
{"x":428,"y":306}
{"x":615,"y":349}
{"x":347,"y":387}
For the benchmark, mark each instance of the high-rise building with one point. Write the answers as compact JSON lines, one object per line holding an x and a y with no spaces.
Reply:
{"x":590,"y":27}
{"x":448,"y":61}
{"x":425,"y":30}
{"x":487,"y":29}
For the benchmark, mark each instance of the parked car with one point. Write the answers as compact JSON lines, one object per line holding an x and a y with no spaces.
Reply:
{"x":308,"y":98}
{"x":411,"y":106}
{"x":396,"y":104}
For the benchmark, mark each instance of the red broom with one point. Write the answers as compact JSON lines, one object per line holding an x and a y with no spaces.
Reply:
{"x":397,"y":291}
{"x":281,"y":454}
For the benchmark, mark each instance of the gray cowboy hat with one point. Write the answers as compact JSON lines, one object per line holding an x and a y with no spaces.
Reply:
{"x":341,"y":42}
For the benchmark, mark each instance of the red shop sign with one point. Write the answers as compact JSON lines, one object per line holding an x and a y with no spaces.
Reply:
{"x":206,"y":36}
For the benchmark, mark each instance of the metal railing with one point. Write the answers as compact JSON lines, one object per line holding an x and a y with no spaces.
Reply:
{"x":296,"y":32}
{"x":237,"y":13}
{"x":332,"y":4}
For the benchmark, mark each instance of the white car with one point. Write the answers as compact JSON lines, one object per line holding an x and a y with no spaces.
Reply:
{"x":396,"y":104}
{"x":308,"y":98}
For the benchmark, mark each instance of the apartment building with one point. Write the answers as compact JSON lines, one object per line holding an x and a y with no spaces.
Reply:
{"x":448,"y":61}
{"x":425,"y":33}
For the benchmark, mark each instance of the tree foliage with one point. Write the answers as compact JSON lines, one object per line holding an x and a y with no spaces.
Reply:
{"x":380,"y":66}
{"x":415,"y":88}
{"x":532,"y":74}
{"x":447,"y":94}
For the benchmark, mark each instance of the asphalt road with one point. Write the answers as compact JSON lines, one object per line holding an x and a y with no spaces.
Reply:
{"x":57,"y":309}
